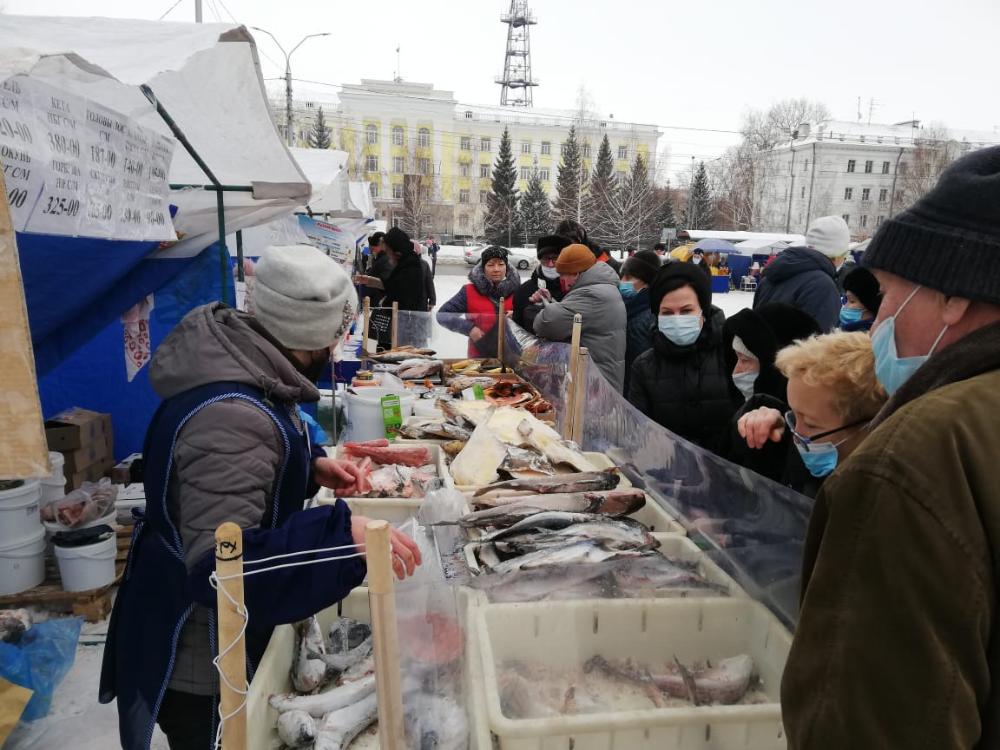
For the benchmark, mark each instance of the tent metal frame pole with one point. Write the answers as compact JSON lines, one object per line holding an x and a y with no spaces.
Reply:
{"x":239,"y":256}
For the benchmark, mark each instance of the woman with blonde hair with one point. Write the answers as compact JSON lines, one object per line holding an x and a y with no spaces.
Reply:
{"x":832,"y":396}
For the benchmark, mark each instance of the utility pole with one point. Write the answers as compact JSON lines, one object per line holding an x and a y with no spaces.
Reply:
{"x":197,"y":11}
{"x":289,"y":129}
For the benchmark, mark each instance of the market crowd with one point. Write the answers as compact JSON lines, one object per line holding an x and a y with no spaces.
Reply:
{"x":871,"y":386}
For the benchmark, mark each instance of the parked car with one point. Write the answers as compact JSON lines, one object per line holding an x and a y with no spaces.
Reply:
{"x":522,"y":258}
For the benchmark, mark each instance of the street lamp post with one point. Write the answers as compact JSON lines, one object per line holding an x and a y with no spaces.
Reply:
{"x":289,"y":131}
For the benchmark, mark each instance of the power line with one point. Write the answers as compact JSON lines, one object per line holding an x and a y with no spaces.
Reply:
{"x":168,"y":11}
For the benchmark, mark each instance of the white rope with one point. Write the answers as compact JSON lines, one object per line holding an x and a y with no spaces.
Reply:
{"x":301,"y":552}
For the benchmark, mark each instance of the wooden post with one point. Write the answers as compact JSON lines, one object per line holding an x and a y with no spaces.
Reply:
{"x":501,"y":326}
{"x":364,"y":332}
{"x":395,"y":320}
{"x":580,"y":388}
{"x":382,"y":600}
{"x":233,"y":665}
{"x":574,"y":359}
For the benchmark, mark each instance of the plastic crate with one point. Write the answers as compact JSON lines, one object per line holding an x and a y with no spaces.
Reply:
{"x":567,"y":634}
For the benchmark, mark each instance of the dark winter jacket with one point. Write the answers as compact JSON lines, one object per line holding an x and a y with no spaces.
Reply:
{"x":640,"y":327}
{"x":407,"y":284}
{"x":429,"y":291}
{"x":596,"y":298}
{"x":380,"y":266}
{"x":687,"y":388}
{"x":803,"y":278}
{"x":525,"y":311}
{"x":898,"y":639}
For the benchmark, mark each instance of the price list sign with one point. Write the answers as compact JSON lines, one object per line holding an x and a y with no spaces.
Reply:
{"x":74,"y":167}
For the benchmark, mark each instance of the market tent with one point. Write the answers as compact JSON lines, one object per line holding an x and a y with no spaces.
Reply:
{"x":714,"y":246}
{"x":761,"y":246}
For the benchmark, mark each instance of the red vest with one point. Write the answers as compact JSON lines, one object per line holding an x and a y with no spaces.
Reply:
{"x":482,"y":312}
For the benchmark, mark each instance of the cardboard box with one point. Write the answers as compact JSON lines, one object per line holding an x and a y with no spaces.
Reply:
{"x":75,"y":428}
{"x":92,"y":473}
{"x":92,"y":452}
{"x":125,"y":471}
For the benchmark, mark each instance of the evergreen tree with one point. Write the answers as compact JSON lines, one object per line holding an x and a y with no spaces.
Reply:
{"x":319,"y":137}
{"x":601,"y":203}
{"x":667,"y":214}
{"x":699,"y":213}
{"x":501,"y":222}
{"x":570,"y":187}
{"x":536,"y":211}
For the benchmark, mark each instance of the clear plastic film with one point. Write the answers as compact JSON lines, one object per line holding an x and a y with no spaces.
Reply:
{"x":544,"y":364}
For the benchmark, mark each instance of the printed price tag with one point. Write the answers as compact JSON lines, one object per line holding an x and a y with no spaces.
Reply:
{"x":392,"y":415}
{"x":475,"y":393}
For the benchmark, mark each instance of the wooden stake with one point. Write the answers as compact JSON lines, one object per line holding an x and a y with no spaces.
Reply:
{"x":395,"y":320}
{"x":580,"y":387}
{"x":501,"y":318}
{"x":382,"y":600}
{"x":364,"y":332}
{"x":574,"y":359}
{"x":233,"y":665}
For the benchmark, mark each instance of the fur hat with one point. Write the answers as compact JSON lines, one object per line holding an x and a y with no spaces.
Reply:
{"x":303,"y":297}
{"x":575,"y":259}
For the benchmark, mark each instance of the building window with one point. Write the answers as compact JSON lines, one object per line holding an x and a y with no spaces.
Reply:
{"x":424,"y":138}
{"x":468,"y":114}
{"x":525,"y":173}
{"x":485,"y":144}
{"x":848,"y":193}
{"x":543,"y":174}
{"x":424,"y":166}
{"x":885,"y":167}
{"x":623,"y":152}
{"x":846,"y":218}
{"x":526,"y":147}
{"x":620,"y":176}
{"x":805,"y":166}
{"x":850,"y":165}
{"x":465,"y":170}
{"x":373,"y":189}
{"x":463,"y":196}
{"x":864,"y":220}
{"x":466,"y":143}
{"x":866,"y":194}
{"x":883,"y":195}
{"x":879,"y":220}
{"x":397,"y":136}
{"x":585,"y":150}
{"x":546,"y":148}
{"x":869,"y":165}
{"x":463,"y":221}
{"x":397,"y":164}
{"x":484,"y":171}
{"x":371,"y":163}
{"x":903,"y":167}
{"x":803,"y":195}
{"x":899,"y":196}
{"x":482,"y":196}
{"x":397,"y":192}
{"x":371,"y":134}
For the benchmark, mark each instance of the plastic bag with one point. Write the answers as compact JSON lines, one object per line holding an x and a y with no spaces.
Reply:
{"x":40,"y":661}
{"x":85,"y":505}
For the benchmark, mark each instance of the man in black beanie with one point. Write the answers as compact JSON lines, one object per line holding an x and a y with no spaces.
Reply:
{"x":527,"y":303}
{"x":898,"y":639}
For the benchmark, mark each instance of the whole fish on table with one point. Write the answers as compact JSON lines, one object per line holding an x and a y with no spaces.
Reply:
{"x":612,"y":534}
{"x":574,"y":553}
{"x":296,"y":729}
{"x":523,"y":459}
{"x":659,"y":576}
{"x":339,"y":728}
{"x":320,"y":704}
{"x":590,"y":481}
{"x":612,"y":504}
{"x":400,"y":354}
{"x":724,"y":683}
{"x":309,"y":671}
{"x":419,"y":368}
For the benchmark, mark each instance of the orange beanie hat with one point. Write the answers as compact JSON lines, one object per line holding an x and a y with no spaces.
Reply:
{"x":575,"y":259}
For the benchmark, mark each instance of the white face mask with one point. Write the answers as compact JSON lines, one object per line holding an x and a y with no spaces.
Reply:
{"x":550,"y":273}
{"x":696,"y":259}
{"x":744,"y":381}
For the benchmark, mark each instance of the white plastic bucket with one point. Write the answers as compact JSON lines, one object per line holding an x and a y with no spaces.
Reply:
{"x":58,"y":461}
{"x":22,"y":563}
{"x":19,"y":512}
{"x":89,"y":567}
{"x":51,"y":491}
{"x":364,"y":412}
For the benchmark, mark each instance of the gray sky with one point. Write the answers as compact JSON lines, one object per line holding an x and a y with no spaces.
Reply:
{"x":694,"y":64}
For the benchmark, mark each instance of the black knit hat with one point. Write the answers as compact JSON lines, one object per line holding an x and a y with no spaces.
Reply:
{"x":493,"y":251}
{"x":641,"y":269}
{"x":551,"y":244}
{"x":949,"y":240}
{"x":676,"y":275}
{"x":862,"y":284}
{"x":770,"y":328}
{"x":398,"y":240}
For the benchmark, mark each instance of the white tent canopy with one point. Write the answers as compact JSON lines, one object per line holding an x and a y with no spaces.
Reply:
{"x":712,"y":234}
{"x":761,"y":246}
{"x":333,"y":193}
{"x":207,"y":78}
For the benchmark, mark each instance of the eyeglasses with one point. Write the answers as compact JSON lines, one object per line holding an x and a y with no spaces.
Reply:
{"x":804,"y":441}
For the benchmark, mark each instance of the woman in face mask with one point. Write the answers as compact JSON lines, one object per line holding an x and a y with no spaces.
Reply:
{"x":637,"y":274}
{"x":683,"y":382}
{"x":862,"y":300}
{"x":832,"y":395}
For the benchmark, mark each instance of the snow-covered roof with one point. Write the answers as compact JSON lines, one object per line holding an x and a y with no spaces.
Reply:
{"x":715,"y":234}
{"x":900,"y":134}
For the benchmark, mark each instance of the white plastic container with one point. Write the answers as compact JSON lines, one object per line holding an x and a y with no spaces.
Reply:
{"x":19,"y":512}
{"x":54,"y":485}
{"x":567,"y":634}
{"x":57,"y":461}
{"x":88,"y":567}
{"x":22,"y":563}
{"x":364,"y":412}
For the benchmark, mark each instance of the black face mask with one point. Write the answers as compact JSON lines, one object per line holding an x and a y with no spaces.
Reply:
{"x":314,"y":370}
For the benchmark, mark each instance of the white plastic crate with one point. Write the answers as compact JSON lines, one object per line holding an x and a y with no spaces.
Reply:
{"x":567,"y":634}
{"x":273,"y":676}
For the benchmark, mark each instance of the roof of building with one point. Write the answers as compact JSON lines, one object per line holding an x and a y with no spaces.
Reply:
{"x":904,"y":134}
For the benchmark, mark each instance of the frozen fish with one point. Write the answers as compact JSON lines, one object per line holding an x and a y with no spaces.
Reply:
{"x":296,"y":729}
{"x":560,"y":483}
{"x":320,"y":704}
{"x":309,"y":671}
{"x":573,"y":553}
{"x":340,"y":727}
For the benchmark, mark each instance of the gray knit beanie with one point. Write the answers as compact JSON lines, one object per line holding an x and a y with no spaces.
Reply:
{"x":949,"y":240}
{"x":303,"y":298}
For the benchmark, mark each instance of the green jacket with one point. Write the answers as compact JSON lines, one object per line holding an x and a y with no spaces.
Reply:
{"x":897,"y":644}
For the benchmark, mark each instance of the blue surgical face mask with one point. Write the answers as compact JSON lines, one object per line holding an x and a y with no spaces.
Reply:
{"x":891,"y":370}
{"x":682,"y":330}
{"x":628,"y":291}
{"x":744,"y":381}
{"x":850,"y":315}
{"x":820,"y":458}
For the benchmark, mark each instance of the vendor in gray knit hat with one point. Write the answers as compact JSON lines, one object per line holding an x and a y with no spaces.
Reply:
{"x":228,"y":443}
{"x":898,"y":639}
